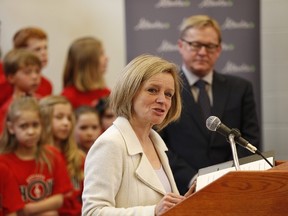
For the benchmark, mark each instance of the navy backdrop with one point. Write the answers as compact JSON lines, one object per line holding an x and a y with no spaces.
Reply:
{"x":152,"y":26}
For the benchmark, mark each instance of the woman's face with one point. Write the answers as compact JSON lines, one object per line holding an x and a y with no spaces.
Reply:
{"x":153,"y":100}
{"x":87,"y":130}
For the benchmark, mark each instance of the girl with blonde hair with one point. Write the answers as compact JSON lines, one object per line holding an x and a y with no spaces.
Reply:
{"x":59,"y":123}
{"x":39,"y":170}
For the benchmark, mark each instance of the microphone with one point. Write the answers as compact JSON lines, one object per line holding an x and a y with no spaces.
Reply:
{"x":213,"y":123}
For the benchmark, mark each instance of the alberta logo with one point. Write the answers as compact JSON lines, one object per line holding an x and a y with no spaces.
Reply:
{"x":232,"y":24}
{"x":145,"y":24}
{"x":215,"y":3}
{"x":172,"y":4}
{"x":231,"y":68}
{"x":167,"y":46}
{"x":227,"y":47}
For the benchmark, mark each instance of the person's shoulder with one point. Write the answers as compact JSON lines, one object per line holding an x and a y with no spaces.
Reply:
{"x":53,"y":153}
{"x":112,"y":137}
{"x":6,"y":104}
{"x":2,"y":74}
{"x":157,"y":139}
{"x":233,"y":79}
{"x":109,"y":134}
{"x":51,"y":148}
{"x":45,"y":81}
{"x":5,"y":158}
{"x":46,"y":87}
{"x":110,"y":144}
{"x":67,"y":90}
{"x":73,"y":95}
{"x":101,"y":92}
{"x":3,"y":168}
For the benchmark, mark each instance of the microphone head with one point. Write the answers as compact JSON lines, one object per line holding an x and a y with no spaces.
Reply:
{"x":212,"y":123}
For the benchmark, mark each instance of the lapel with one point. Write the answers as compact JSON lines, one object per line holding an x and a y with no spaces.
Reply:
{"x":220,"y":96}
{"x":144,"y":171}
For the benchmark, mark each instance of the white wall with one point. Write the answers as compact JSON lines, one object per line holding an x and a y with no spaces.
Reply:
{"x":274,"y":55}
{"x":66,"y":20}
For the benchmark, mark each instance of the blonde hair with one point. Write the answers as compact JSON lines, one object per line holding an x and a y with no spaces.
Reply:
{"x":200,"y":21}
{"x":9,"y":142}
{"x":82,"y":65}
{"x":69,"y":147}
{"x":133,"y":75}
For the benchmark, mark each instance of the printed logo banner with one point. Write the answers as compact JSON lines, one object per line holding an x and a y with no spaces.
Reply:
{"x":152,"y":26}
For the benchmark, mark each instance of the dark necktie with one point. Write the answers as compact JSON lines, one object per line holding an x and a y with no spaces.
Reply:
{"x":203,"y":99}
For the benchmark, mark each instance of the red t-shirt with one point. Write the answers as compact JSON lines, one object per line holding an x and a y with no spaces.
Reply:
{"x":10,"y":198}
{"x":45,"y":87}
{"x":36,"y":184}
{"x":89,"y":98}
{"x":72,"y":204}
{"x":6,"y":88}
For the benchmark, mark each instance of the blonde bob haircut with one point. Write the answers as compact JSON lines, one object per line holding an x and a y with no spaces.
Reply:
{"x":132,"y":78}
{"x":200,"y":21}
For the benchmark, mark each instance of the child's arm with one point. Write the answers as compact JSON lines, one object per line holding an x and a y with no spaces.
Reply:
{"x":47,"y":206}
{"x":50,"y":213}
{"x":12,"y":214}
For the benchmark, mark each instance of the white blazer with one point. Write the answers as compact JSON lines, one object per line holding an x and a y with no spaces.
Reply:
{"x":119,"y":179}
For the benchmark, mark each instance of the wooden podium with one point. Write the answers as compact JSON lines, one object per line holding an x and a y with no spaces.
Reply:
{"x":255,"y":193}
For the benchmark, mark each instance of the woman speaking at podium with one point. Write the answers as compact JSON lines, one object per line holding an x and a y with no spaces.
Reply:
{"x":126,"y":170}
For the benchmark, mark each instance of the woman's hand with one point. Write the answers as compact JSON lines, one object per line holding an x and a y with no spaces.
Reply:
{"x":168,"y":201}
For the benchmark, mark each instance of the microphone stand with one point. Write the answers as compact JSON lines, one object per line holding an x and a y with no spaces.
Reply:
{"x":234,"y":151}
{"x":236,"y":133}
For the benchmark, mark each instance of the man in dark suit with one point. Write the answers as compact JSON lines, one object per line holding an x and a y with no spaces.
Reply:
{"x":191,"y":145}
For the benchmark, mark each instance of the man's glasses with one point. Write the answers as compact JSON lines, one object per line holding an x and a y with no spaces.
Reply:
{"x":196,"y":46}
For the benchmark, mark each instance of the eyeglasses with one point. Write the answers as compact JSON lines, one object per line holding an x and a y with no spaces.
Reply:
{"x":196,"y":46}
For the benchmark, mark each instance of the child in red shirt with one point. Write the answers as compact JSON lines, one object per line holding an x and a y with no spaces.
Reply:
{"x":23,"y":71}
{"x":35,"y":40}
{"x":39,"y":170}
{"x":5,"y":87}
{"x":59,"y":124}
{"x":10,"y":198}
{"x":83,"y":76}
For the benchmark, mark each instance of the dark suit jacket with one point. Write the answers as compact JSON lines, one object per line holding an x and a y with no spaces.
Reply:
{"x":192,"y":146}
